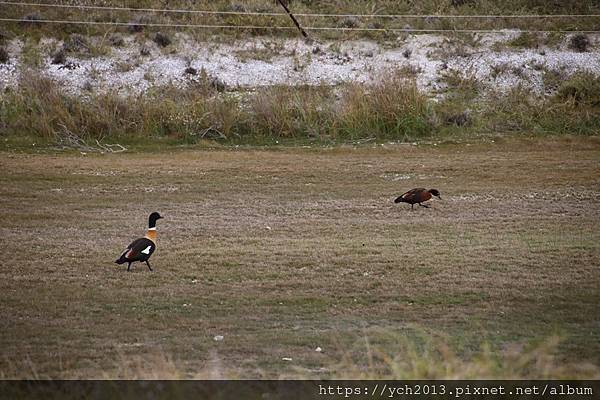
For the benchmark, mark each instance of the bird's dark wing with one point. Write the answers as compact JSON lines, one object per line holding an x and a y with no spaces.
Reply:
{"x":411,"y":196}
{"x":139,"y":249}
{"x":412,"y":192}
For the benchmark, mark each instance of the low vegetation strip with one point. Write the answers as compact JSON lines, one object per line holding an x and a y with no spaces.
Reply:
{"x":263,"y":257}
{"x":393,"y":109}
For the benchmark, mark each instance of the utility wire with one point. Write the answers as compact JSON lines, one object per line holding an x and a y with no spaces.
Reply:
{"x":310,"y":15}
{"x":313,"y":28}
{"x":157,"y":10}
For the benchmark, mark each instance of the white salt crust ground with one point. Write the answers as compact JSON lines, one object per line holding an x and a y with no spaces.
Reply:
{"x":294,"y":62}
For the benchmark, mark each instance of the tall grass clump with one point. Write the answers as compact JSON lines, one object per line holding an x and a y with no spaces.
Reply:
{"x":575,"y":108}
{"x":284,"y":111}
{"x":40,"y":107}
{"x":392,"y":108}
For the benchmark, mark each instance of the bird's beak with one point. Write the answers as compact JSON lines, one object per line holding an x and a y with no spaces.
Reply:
{"x":439,"y":197}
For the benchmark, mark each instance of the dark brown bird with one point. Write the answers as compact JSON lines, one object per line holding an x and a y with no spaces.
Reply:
{"x":417,"y":196}
{"x":141,"y":249}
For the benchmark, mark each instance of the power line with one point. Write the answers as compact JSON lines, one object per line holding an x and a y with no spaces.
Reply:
{"x":310,"y":15}
{"x":157,"y":10}
{"x":142,"y":24}
{"x":313,"y":28}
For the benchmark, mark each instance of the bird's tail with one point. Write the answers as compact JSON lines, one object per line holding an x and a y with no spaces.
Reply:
{"x":399,"y":200}
{"x":123,"y":257}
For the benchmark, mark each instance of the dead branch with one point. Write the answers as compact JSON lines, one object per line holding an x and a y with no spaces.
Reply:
{"x":213,"y":133}
{"x":68,"y":140}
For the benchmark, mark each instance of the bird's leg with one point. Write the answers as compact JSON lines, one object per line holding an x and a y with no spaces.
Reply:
{"x":128,"y":267}
{"x":412,"y":206}
{"x":148,"y":264}
{"x":424,"y":205}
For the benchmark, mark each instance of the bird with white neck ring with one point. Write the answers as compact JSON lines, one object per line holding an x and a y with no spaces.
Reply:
{"x":141,"y":249}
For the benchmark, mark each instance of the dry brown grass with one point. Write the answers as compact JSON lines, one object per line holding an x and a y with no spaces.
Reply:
{"x":392,"y":109}
{"x":283,"y":251}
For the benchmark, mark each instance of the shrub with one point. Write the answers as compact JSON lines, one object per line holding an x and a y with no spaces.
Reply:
{"x":76,"y":43}
{"x":162,"y":39}
{"x":349,"y":22}
{"x":136,"y":24}
{"x":4,"y":58}
{"x":579,"y":42}
{"x":59,"y":57}
{"x":458,"y":3}
{"x":117,"y":40}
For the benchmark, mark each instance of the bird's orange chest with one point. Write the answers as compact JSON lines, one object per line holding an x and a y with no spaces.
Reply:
{"x":151,"y":234}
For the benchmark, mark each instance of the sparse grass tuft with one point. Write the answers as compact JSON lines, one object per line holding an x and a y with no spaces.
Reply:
{"x":460,"y":86}
{"x":525,"y":40}
{"x":31,"y":55}
{"x":427,"y":356}
{"x":266,"y":53}
{"x":552,"y":79}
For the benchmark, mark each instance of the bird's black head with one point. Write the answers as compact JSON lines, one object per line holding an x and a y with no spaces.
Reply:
{"x":153,"y":218}
{"x":435,"y":192}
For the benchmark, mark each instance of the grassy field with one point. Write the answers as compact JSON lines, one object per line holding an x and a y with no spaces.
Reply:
{"x":283,"y":251}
